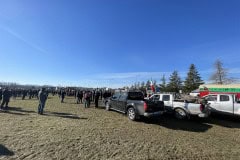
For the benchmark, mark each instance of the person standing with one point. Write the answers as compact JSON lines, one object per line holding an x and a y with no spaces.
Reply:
{"x":81,"y":96}
{"x":93,"y":95}
{"x":42,"y":100}
{"x":85,"y":99}
{"x":63,"y":93}
{"x":89,"y":95}
{"x":101,"y":94}
{"x":6,"y":94}
{"x":97,"y":95}
{"x":24,"y":94}
{"x":0,"y":95}
{"x":78,"y":96}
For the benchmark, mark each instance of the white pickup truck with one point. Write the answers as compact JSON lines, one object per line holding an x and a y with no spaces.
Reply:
{"x":180,"y":107}
{"x":224,"y":104}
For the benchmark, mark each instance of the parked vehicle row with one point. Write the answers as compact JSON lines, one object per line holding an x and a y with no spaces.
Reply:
{"x":135,"y":106}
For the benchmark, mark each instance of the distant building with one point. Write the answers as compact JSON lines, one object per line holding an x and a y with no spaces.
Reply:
{"x":206,"y":89}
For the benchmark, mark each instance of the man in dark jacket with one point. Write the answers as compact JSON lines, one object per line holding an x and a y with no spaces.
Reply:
{"x":78,"y":96}
{"x":63,"y":93}
{"x":42,"y":100}
{"x":97,"y":95}
{"x":6,"y":94}
{"x":0,"y":95}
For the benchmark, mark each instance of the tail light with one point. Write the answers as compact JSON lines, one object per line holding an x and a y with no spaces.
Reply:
{"x":202,"y":107}
{"x":145,"y":106}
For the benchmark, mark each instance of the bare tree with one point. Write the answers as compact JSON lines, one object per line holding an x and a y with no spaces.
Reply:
{"x":220,"y":74}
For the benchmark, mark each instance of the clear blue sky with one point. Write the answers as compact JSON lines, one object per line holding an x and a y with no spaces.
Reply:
{"x":113,"y":43}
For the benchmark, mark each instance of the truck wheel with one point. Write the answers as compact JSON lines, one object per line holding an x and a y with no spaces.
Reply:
{"x":180,"y":113}
{"x":107,"y":106}
{"x":131,"y":114}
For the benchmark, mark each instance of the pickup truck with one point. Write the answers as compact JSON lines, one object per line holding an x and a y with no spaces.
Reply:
{"x":182,"y":108}
{"x":224,"y":104}
{"x":134,"y":105}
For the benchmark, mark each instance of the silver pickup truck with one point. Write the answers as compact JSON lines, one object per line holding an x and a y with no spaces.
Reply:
{"x":224,"y":104}
{"x":182,"y":108}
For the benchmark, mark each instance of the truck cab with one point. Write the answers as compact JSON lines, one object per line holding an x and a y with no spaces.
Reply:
{"x":224,"y":104}
{"x":181,"y":107}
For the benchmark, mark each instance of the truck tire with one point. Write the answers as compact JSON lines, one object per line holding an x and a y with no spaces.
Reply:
{"x":180,"y":113}
{"x":131,"y":113}
{"x":107,"y":106}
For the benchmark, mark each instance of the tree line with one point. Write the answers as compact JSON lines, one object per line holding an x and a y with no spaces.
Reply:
{"x":192,"y":81}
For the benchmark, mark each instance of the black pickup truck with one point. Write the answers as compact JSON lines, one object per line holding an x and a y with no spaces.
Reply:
{"x":134,"y":105}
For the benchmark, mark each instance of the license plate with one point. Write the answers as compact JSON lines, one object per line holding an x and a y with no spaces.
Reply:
{"x":202,"y":115}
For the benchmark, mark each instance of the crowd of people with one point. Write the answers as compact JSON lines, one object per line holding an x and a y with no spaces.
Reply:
{"x":85,"y":96}
{"x":82,"y":96}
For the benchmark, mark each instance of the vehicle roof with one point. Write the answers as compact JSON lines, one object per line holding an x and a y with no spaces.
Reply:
{"x":128,"y":91}
{"x":219,"y":94}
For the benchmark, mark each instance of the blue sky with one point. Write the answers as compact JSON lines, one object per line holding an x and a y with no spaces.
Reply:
{"x":114,"y":43}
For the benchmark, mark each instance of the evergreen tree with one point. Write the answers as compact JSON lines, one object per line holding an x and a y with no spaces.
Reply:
{"x":132,"y":87}
{"x":142,"y":84}
{"x":138,"y":85}
{"x":193,"y":80}
{"x":148,"y":84}
{"x":175,"y":83}
{"x":163,"y":85}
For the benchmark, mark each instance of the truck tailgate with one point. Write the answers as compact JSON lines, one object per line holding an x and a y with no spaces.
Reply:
{"x":154,"y":106}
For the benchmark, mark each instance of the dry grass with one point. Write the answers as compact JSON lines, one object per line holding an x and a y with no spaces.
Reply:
{"x":68,"y":131}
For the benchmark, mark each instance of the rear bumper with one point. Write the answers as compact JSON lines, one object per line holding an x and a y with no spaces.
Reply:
{"x":146,"y":114}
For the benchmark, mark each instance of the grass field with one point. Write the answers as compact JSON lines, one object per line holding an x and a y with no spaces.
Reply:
{"x":69,"y":131}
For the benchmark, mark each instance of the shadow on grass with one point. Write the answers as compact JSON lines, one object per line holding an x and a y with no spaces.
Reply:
{"x":168,"y":121}
{"x":228,"y":121}
{"x":5,"y":152}
{"x":14,"y":113}
{"x":195,"y":124}
{"x":63,"y":115}
{"x":20,"y":109}
{"x":17,"y":111}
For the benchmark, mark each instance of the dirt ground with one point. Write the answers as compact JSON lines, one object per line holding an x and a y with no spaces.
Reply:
{"x":69,"y":131}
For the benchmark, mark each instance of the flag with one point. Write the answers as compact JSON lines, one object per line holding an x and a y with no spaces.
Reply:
{"x":152,"y":86}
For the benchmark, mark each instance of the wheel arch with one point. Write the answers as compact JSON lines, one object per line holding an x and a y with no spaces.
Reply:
{"x":185,"y":110}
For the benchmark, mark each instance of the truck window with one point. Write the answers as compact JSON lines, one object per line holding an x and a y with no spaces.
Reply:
{"x":156,"y":97}
{"x":212,"y":98}
{"x":224,"y":98}
{"x":116,"y":96}
{"x":123,"y":96}
{"x":166,"y":98}
{"x":135,"y":96}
